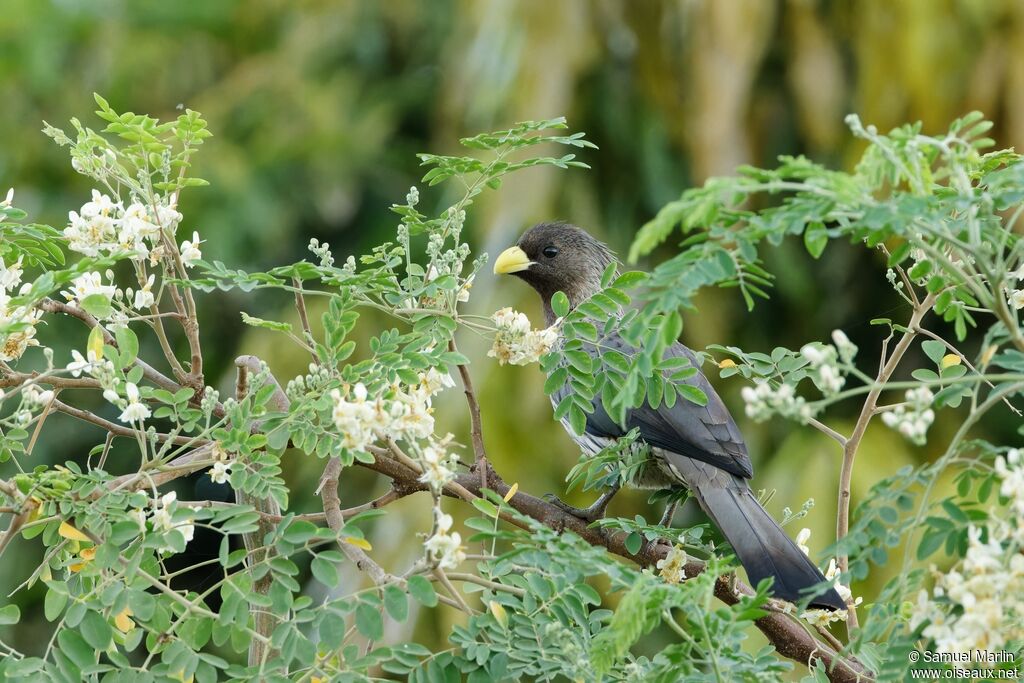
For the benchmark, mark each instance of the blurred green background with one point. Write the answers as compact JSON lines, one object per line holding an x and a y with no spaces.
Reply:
{"x":318,"y":109}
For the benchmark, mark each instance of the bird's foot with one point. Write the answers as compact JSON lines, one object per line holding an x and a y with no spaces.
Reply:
{"x":588,"y":514}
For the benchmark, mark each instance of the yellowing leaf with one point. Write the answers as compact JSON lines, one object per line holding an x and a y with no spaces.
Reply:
{"x":77,"y":567}
{"x":499,"y":613}
{"x":726,"y":363}
{"x":512,"y":490}
{"x":88,"y":554}
{"x":123,"y":621}
{"x":949,"y":360}
{"x":72,"y":534}
{"x":94,"y":347}
{"x":358,"y":542}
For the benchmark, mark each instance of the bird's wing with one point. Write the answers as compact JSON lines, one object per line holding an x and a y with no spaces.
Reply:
{"x":706,"y":433}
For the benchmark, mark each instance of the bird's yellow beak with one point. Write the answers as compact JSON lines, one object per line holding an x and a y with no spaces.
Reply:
{"x":512,"y":260}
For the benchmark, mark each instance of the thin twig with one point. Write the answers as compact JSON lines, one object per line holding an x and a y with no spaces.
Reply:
{"x":888,"y":366}
{"x":476,"y":424}
{"x":300,"y":305}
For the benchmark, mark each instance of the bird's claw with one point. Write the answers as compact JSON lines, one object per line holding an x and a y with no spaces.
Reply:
{"x":588,"y":514}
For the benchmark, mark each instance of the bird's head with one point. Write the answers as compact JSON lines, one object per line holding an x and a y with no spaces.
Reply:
{"x":557,"y":257}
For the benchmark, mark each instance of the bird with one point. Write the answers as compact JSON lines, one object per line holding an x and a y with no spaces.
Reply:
{"x":699,"y":447}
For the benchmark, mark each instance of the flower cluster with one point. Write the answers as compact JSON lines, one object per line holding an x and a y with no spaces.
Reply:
{"x":445,"y":546}
{"x":17,"y":323}
{"x":762,"y":402}
{"x":221,"y":470}
{"x":161,"y":518}
{"x":438,"y":464}
{"x":515,"y":342}
{"x":824,"y":369}
{"x":913,"y":417}
{"x":124,"y":395}
{"x":672,"y":566}
{"x":105,"y":227}
{"x":323,"y":252}
{"x":979,"y":603}
{"x":401,"y":412}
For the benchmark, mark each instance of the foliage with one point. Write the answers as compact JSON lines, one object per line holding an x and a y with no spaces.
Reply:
{"x":539,"y":602}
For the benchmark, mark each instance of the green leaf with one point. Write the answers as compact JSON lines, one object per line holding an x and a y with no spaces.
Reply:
{"x":96,"y":305}
{"x":396,"y":602}
{"x":560,"y":304}
{"x":95,"y":629}
{"x":692,"y":394}
{"x":9,"y":614}
{"x":934,"y":349}
{"x":369,"y":621}
{"x":633,"y":543}
{"x":815,"y":239}
{"x":325,"y":571}
{"x":422,"y":590}
{"x":55,"y":600}
{"x":128,"y":343}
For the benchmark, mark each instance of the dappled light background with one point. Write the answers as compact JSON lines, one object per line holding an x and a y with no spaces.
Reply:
{"x":318,"y":109}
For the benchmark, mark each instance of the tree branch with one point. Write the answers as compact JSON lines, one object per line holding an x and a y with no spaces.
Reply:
{"x":476,"y":424}
{"x":888,"y":366}
{"x":787,"y":635}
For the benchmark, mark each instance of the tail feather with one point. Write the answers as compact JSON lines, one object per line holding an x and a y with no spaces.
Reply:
{"x":763,"y":548}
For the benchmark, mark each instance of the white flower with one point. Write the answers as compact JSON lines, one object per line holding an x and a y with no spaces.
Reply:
{"x":516,"y":343}
{"x":101,"y":205}
{"x":135,"y":220}
{"x":672,"y":567}
{"x":847,"y":349}
{"x":463,"y":295}
{"x":220,"y":472}
{"x":89,"y":284}
{"x":823,"y":369}
{"x":136,"y":411}
{"x":913,"y":417}
{"x":437,"y":465}
{"x":94,"y":229}
{"x":10,"y":276}
{"x":763,"y":402}
{"x":139,"y":516}
{"x":190,"y":252}
{"x":354,"y":417}
{"x":801,"y":540}
{"x":443,"y":547}
{"x":144,"y":297}
{"x":1016,"y":298}
{"x":36,"y":397}
{"x":9,"y":198}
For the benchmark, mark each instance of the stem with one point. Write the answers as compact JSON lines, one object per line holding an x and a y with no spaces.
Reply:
{"x":888,"y":366}
{"x":257,"y":553}
{"x":476,"y":424}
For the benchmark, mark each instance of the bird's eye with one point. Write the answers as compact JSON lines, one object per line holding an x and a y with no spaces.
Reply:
{"x":550,"y":252}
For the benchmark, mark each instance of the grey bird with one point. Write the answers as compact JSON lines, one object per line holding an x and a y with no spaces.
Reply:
{"x":699,"y":447}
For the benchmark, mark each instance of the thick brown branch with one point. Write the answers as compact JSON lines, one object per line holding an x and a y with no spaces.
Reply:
{"x":787,"y":636}
{"x":336,"y":521}
{"x":258,"y":552}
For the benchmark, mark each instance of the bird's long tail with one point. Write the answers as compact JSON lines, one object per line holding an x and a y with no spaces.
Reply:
{"x":762,"y":547}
